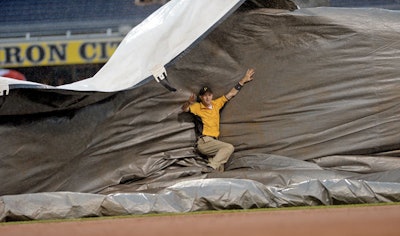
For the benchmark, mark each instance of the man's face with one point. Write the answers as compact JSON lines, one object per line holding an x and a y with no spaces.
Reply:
{"x":206,"y":99}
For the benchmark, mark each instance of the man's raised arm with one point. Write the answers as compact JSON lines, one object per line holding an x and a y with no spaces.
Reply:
{"x":246,"y":78}
{"x":186,"y":105}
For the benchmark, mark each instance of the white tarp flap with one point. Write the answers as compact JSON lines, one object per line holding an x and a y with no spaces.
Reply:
{"x":156,"y":41}
{"x":4,"y":89}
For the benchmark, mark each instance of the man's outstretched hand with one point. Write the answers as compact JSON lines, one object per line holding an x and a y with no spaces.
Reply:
{"x":247,"y":77}
{"x":186,"y":105}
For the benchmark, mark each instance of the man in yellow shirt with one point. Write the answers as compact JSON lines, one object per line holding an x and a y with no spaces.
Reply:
{"x":208,"y":110}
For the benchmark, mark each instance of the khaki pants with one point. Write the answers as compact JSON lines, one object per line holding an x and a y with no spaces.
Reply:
{"x":217,"y":151}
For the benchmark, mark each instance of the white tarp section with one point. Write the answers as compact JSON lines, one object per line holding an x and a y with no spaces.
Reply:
{"x":157,"y":41}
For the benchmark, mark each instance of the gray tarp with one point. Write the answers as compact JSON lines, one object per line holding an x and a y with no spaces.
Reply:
{"x":318,"y":125}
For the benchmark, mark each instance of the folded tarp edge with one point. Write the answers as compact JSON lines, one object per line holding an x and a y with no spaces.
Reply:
{"x":196,"y":195}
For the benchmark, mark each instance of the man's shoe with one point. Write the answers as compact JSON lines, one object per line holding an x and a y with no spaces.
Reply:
{"x":221,"y":168}
{"x":206,"y":169}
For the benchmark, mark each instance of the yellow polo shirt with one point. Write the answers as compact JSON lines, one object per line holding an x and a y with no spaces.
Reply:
{"x":209,"y":116}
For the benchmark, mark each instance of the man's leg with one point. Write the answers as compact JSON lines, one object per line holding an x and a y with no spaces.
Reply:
{"x":220,"y":151}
